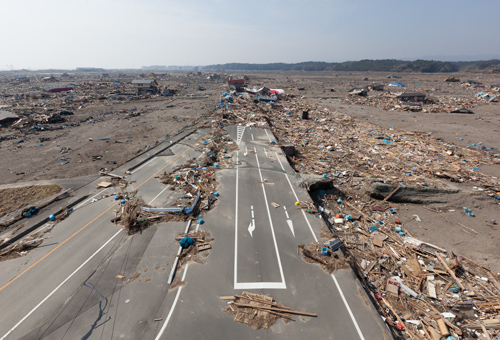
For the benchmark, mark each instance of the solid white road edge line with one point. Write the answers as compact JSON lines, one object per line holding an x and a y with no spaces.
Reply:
{"x":139,"y":168}
{"x":270,"y":220}
{"x":173,"y":306}
{"x":60,"y":285}
{"x":161,"y":192}
{"x":79,"y":205}
{"x":348,"y":308}
{"x":236,"y":227}
{"x":268,"y":136}
{"x":279,"y":160}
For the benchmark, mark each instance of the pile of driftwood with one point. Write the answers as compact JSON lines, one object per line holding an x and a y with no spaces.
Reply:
{"x":258,"y":310}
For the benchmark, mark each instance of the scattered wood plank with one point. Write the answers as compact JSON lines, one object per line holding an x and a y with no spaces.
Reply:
{"x":104,"y":184}
{"x":227,"y":297}
{"x":289,"y":311}
{"x":203,"y":246}
{"x":392,"y":193}
{"x":457,"y":280}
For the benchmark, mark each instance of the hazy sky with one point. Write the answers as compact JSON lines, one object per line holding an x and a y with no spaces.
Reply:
{"x":131,"y":33}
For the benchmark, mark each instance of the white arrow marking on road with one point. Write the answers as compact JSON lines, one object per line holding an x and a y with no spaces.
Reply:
{"x":246,"y":152}
{"x":251,"y":227}
{"x":290,"y":224}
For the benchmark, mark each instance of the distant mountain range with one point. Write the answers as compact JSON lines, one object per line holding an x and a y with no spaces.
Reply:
{"x":384,"y":65}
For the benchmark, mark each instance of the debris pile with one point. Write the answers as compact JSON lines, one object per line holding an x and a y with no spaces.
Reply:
{"x":192,"y":244}
{"x":191,"y":180}
{"x":258,"y":310}
{"x":329,"y":260}
{"x":131,"y":213}
{"x":390,"y":102}
{"x":21,"y":248}
{"x":423,"y":291}
{"x":197,"y":178}
{"x":348,"y":151}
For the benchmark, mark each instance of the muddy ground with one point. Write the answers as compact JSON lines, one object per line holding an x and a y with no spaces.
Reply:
{"x":161,"y":117}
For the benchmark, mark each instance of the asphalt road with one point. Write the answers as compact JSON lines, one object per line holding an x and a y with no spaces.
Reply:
{"x":68,"y":287}
{"x":255,"y":249}
{"x":43,"y":295}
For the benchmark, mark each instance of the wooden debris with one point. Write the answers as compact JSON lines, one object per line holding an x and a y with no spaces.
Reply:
{"x":457,"y":280}
{"x":392,"y":193}
{"x":281,"y":310}
{"x":203,"y":246}
{"x":258,"y":310}
{"x":105,"y":184}
{"x":104,"y":173}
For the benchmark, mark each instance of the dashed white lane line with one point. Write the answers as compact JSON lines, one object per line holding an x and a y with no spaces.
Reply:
{"x":297,"y":199}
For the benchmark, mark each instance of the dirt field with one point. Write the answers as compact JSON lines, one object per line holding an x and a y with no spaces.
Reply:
{"x":78,"y":150}
{"x":101,"y":133}
{"x":17,"y":198}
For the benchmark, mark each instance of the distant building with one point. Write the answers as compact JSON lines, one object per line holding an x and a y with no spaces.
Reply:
{"x":89,"y":69}
{"x":22,"y":79}
{"x":154,"y":68}
{"x":145,"y":85}
{"x":236,"y":84}
{"x":412,"y":97}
